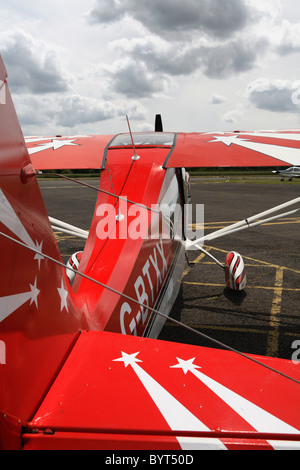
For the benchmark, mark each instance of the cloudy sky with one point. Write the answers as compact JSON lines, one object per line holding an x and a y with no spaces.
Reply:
{"x":206,"y":65}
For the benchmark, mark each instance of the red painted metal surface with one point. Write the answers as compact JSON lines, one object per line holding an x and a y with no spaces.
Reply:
{"x":61,"y":153}
{"x":36,"y":331}
{"x":239,"y":149}
{"x":119,"y":261}
{"x":210,"y":150}
{"x":120,"y":386}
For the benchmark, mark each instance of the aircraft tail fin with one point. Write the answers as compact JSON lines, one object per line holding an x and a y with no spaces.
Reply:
{"x":38,"y":318}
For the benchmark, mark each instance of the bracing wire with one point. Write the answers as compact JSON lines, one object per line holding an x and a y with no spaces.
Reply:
{"x":173,"y":320}
{"x":99,"y":190}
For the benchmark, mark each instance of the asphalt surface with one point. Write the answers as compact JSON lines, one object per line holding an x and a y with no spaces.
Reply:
{"x":264,"y":319}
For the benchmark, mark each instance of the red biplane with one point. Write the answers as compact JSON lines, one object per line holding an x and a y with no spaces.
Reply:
{"x":80,"y":365}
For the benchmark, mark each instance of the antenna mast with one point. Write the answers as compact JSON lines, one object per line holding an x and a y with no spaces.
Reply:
{"x":135,"y":156}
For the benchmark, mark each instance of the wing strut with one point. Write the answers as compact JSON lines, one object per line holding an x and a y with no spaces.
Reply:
{"x":234,"y":264}
{"x":131,"y":299}
{"x":69,"y":229}
{"x":247,"y":223}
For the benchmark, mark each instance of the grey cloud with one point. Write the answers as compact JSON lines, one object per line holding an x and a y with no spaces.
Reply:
{"x":214,"y":17}
{"x":145,"y":74}
{"x":74,"y":110}
{"x":58,"y":111}
{"x":237,"y":56}
{"x":273,"y":95}
{"x":185,"y":37}
{"x":218,"y":18}
{"x":133,"y":80}
{"x":160,"y":56}
{"x":216,"y":60}
{"x":30,"y":70}
{"x":107,"y":11}
{"x":34,"y":110}
{"x":70,"y":111}
{"x":217,"y":99}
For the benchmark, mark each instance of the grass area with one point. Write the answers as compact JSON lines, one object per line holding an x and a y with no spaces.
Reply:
{"x":240,"y":175}
{"x":246,"y":179}
{"x":232,"y":175}
{"x":266,"y":171}
{"x":79,"y":175}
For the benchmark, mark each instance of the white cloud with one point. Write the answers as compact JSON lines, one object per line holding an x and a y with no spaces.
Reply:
{"x":34,"y":66}
{"x":288,"y":38}
{"x":233,"y":116}
{"x":84,"y":66}
{"x":64,"y":113}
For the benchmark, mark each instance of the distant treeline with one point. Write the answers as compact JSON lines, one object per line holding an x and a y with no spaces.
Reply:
{"x":192,"y":171}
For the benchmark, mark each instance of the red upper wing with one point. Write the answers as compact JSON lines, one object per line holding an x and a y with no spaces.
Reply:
{"x":238,"y":149}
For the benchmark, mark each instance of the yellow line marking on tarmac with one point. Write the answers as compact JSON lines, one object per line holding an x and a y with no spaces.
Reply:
{"x":219,"y":225}
{"x":273,"y":333}
{"x":230,"y":222}
{"x":198,"y":260}
{"x":71,"y":186}
{"x":60,"y":238}
{"x":249,"y":265}
{"x":63,"y":237}
{"x":210,"y":284}
{"x":273,"y":337}
{"x":264,"y":263}
{"x":228,"y":328}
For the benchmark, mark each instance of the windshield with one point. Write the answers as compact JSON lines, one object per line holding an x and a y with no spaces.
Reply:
{"x":149,"y":139}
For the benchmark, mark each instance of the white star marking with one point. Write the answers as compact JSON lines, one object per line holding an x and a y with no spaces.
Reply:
{"x":257,"y":417}
{"x":2,"y":92}
{"x":30,"y":140}
{"x":186,"y":366}
{"x":290,"y":155}
{"x":54,"y":144}
{"x":38,"y":256}
{"x":9,"y":218}
{"x":35,"y":292}
{"x":228,"y":139}
{"x":63,"y":293}
{"x":176,"y":415}
{"x":128,"y":359}
{"x":11,"y":303}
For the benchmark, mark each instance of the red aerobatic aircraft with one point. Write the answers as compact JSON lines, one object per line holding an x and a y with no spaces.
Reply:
{"x":80,"y":365}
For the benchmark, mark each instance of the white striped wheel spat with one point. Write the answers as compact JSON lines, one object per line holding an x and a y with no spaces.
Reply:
{"x":235,"y":271}
{"x":73,"y":263}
